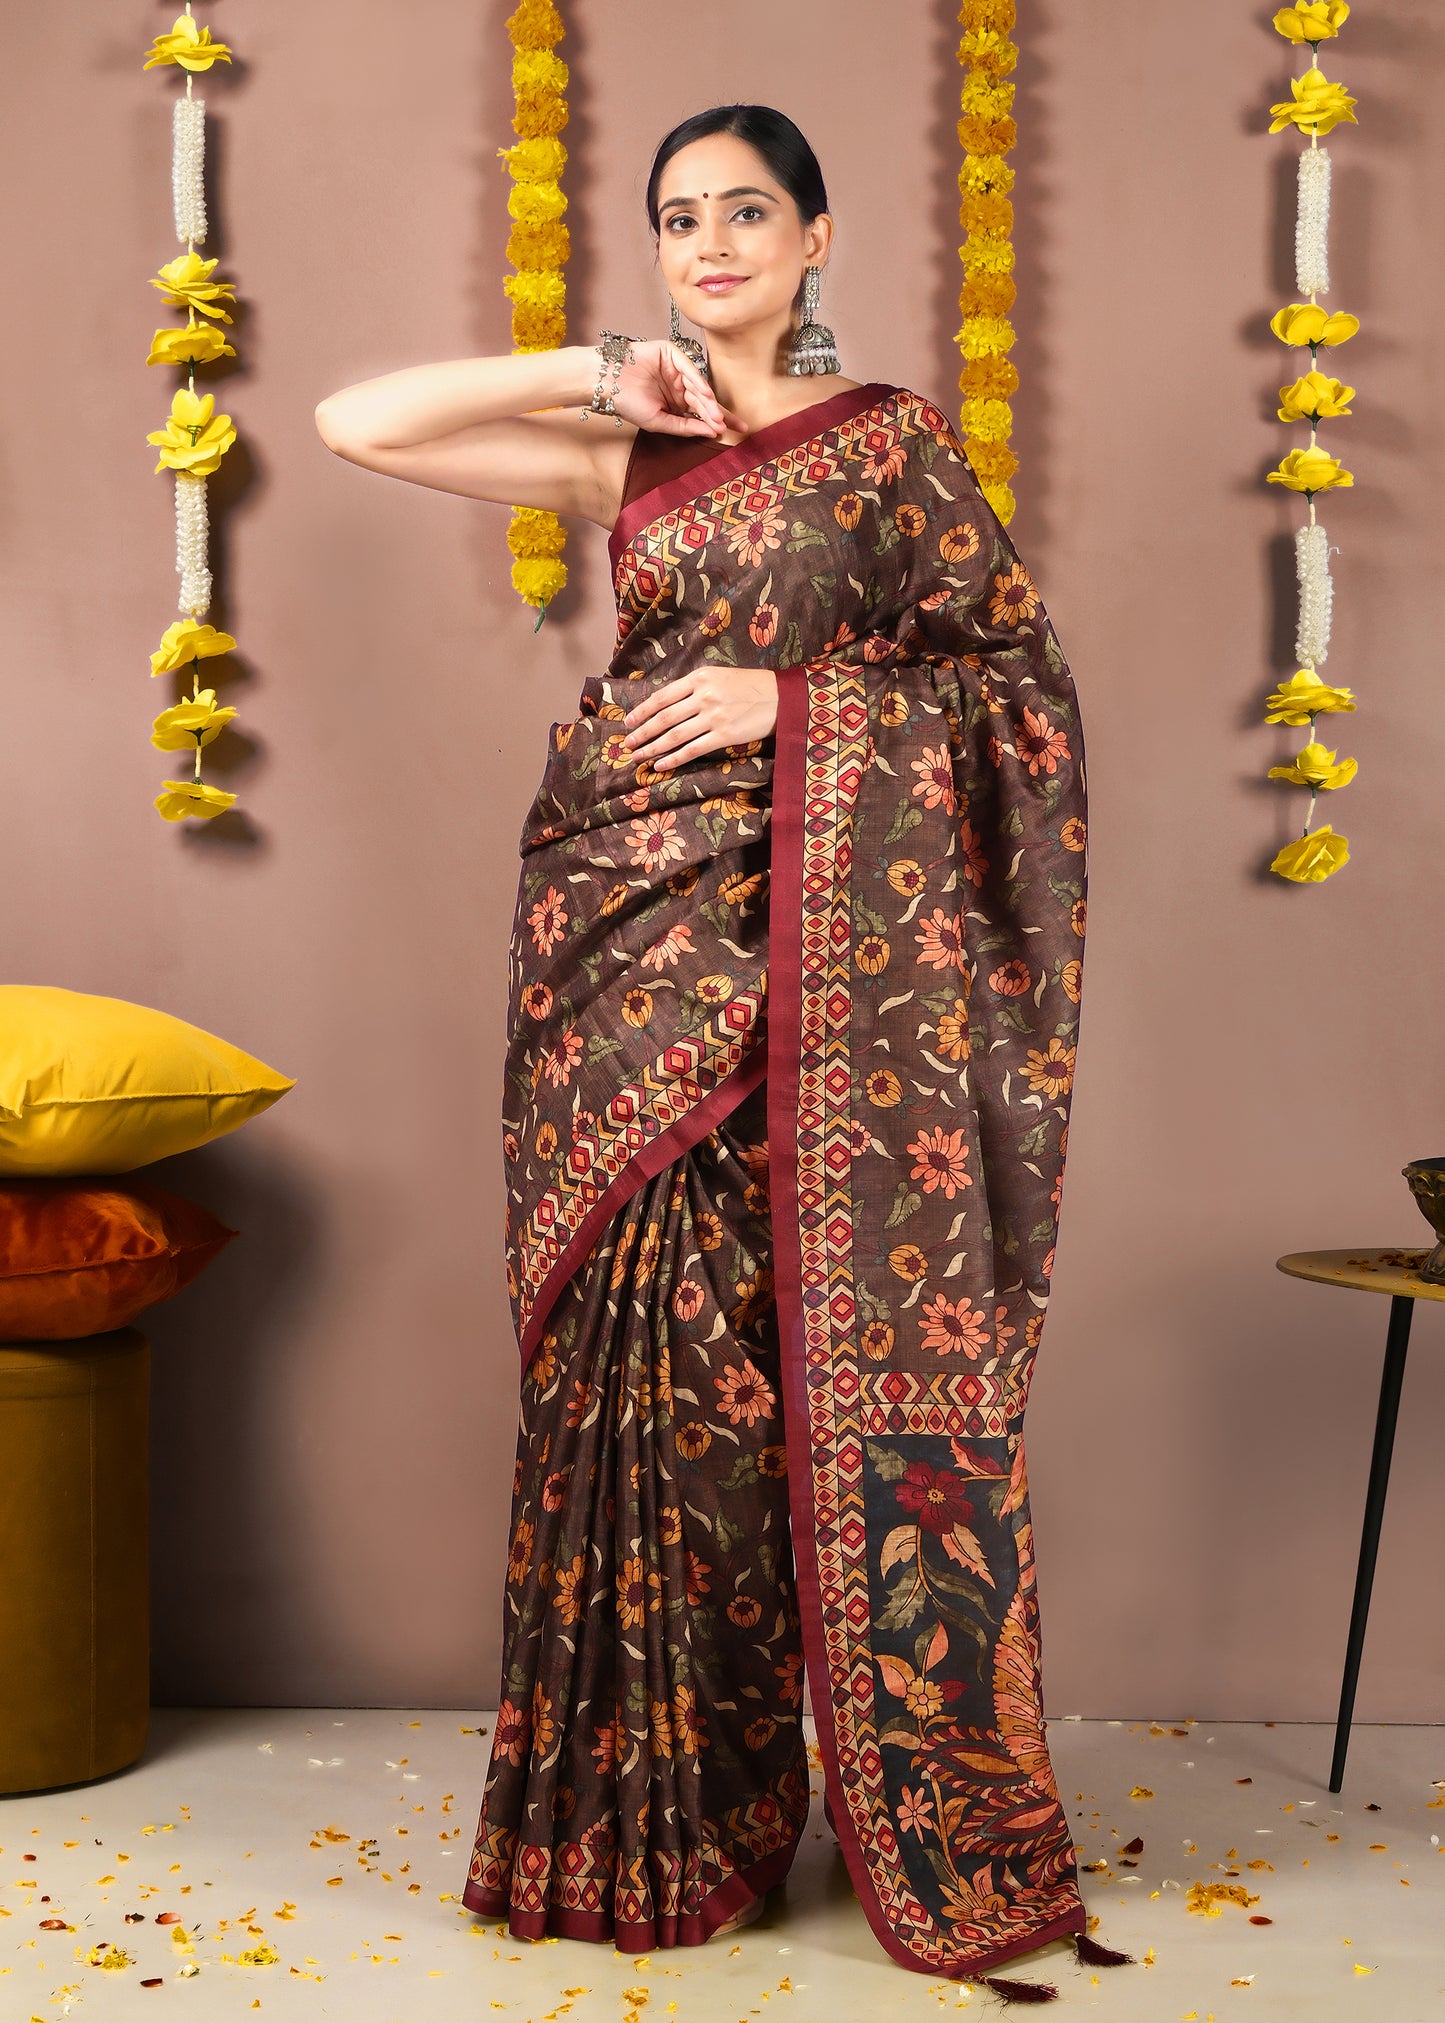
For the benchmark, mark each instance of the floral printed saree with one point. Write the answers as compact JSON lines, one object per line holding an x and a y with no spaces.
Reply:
{"x":792,"y":1034}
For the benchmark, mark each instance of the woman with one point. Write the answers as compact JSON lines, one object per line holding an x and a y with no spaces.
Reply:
{"x":794,"y":994}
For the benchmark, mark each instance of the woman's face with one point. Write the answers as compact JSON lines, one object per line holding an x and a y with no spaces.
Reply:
{"x":724,"y":218}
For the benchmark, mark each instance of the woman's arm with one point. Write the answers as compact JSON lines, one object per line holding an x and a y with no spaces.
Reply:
{"x":511,"y":428}
{"x":469,"y":425}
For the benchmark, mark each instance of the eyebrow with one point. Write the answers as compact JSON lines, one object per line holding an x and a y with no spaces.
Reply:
{"x":744,"y":191}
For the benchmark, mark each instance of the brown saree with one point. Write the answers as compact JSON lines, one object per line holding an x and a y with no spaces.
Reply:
{"x":792,"y":1035}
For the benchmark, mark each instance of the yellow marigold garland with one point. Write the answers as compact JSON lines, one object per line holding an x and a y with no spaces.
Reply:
{"x":1315,"y":106}
{"x":194,"y":438}
{"x":537,"y":247}
{"x":987,"y":131}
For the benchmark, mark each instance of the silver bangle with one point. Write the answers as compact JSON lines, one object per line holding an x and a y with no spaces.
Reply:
{"x":615,"y":350}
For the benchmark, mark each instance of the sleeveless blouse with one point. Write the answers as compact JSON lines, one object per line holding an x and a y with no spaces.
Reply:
{"x":657,"y":456}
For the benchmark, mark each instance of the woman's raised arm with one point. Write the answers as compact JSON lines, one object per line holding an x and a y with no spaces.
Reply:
{"x":510,"y":428}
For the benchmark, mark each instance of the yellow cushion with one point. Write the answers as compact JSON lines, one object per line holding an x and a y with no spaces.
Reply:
{"x":97,"y":1085}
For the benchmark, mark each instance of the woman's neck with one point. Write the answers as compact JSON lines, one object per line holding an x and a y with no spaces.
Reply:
{"x":749,"y":376}
{"x":753,"y":385}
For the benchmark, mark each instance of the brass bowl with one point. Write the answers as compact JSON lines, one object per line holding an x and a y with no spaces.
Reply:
{"x":1427,"y":1184}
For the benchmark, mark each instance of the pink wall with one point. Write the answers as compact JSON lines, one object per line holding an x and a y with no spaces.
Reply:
{"x":336,"y":1400}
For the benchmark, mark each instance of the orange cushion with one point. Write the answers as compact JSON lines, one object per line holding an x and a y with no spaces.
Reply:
{"x":78,"y":1257}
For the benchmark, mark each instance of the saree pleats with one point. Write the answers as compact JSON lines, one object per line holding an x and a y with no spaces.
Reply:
{"x":648,"y":1774}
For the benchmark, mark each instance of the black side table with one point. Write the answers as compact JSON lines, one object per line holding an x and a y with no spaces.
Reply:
{"x":1392,"y":1272}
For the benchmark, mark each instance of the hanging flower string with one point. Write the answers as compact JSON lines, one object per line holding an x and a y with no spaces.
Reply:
{"x":1314,"y":107}
{"x":987,"y":131}
{"x":195,"y":438}
{"x":537,"y":247}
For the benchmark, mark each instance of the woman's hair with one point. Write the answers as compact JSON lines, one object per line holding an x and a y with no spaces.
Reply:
{"x":771,"y":134}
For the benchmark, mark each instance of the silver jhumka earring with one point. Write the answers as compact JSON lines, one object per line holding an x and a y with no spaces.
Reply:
{"x":814,"y":348}
{"x":689,"y":346}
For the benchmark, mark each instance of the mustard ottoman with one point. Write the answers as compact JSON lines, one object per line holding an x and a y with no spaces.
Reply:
{"x":74,"y":1543}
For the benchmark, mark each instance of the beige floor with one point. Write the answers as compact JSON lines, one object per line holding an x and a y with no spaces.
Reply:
{"x":337,"y":1841}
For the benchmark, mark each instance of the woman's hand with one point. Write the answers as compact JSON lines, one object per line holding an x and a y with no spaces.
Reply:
{"x":661,"y":389}
{"x":702,"y":712}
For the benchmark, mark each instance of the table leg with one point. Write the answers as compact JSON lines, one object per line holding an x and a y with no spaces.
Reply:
{"x":1396,"y":1342}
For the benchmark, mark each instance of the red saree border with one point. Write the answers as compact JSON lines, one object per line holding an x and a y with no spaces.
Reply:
{"x":821,"y":734}
{"x":660,"y":1151}
{"x":732,"y":459}
{"x":687,"y":1928}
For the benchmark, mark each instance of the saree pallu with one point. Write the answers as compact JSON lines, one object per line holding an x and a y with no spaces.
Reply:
{"x":791,"y":1046}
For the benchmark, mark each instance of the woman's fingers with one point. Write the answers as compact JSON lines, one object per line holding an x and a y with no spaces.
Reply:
{"x":648,"y":726}
{"x":671,"y":747}
{"x":691,"y":389}
{"x":705,"y":718}
{"x":707,"y":400}
{"x":664,"y":423}
{"x":664,"y":391}
{"x":648,"y":731}
{"x":697,"y":399}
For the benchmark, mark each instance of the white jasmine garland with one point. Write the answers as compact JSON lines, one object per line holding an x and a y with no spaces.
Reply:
{"x":1316,"y":593}
{"x":192,"y":534}
{"x":1312,"y":223}
{"x":188,"y":165}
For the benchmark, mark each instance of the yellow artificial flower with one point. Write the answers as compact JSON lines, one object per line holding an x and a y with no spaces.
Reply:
{"x":1307,"y":323}
{"x":982,"y":136}
{"x":194,"y":343}
{"x":537,"y":329}
{"x":186,"y":284}
{"x":189,"y":45}
{"x":985,"y":255}
{"x":538,"y":160}
{"x":541,"y":292}
{"x":984,"y":211}
{"x":985,"y":172}
{"x":1314,"y":397}
{"x":1317,"y":106}
{"x":1310,"y":858}
{"x":537,"y":246}
{"x":1304,"y":695}
{"x":535,"y":25}
{"x":193,"y":439}
{"x":190,"y":724}
{"x":1311,"y":470}
{"x":539,"y":82}
{"x":989,"y":378}
{"x":180,"y":798}
{"x":536,"y":203}
{"x":987,"y":13}
{"x":535,"y":532}
{"x":988,"y":49}
{"x":987,"y":294}
{"x":1313,"y":766}
{"x":981,"y":336}
{"x":186,"y":641}
{"x":993,"y":463}
{"x":989,"y":420}
{"x":1312,"y":20}
{"x":986,"y":96}
{"x":538,"y":582}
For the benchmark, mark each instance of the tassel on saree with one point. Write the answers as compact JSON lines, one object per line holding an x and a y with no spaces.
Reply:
{"x":1018,"y":1991}
{"x":1092,"y":1954}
